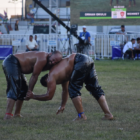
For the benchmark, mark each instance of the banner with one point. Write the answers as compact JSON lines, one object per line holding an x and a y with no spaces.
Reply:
{"x":105,"y":12}
{"x":116,"y":52}
{"x":117,"y":13}
{"x":5,"y":50}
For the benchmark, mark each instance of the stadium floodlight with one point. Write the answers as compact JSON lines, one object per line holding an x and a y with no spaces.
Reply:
{"x":14,"y":2}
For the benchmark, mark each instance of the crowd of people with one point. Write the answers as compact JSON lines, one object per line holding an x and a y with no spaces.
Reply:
{"x":131,"y":49}
{"x":131,"y":2}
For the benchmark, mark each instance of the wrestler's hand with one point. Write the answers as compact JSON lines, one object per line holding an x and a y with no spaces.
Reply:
{"x":60,"y":110}
{"x":26,"y":98}
{"x":29,"y":94}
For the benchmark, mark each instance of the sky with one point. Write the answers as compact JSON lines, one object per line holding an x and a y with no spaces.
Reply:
{"x":10,"y":7}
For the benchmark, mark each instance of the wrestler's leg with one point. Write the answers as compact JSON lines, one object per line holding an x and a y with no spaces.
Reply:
{"x":103,"y":104}
{"x":77,"y":101}
{"x":94,"y":88}
{"x":75,"y":85}
{"x":23,"y":90}
{"x":18,"y":107}
{"x":9,"y":108}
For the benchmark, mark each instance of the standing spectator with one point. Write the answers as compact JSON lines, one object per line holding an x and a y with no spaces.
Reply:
{"x":36,"y":38}
{"x":31,"y":45}
{"x":117,"y":2}
{"x":0,"y":32}
{"x":130,"y":3}
{"x":86,"y":37}
{"x":16,"y":25}
{"x":122,"y":31}
{"x":38,"y":43}
{"x":128,"y":49}
{"x":123,"y":38}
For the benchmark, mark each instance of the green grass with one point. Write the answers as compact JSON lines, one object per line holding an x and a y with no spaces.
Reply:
{"x":119,"y":80}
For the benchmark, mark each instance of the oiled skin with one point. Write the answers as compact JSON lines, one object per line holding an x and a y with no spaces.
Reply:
{"x":28,"y":60}
{"x":62,"y":71}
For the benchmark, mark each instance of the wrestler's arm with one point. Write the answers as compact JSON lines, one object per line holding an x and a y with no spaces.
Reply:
{"x":40,"y":63}
{"x":65,"y":95}
{"x":51,"y":84}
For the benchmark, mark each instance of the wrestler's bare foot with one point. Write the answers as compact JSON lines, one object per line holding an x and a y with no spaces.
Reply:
{"x":108,"y":117}
{"x":18,"y":116}
{"x":83,"y":118}
{"x":7,"y":117}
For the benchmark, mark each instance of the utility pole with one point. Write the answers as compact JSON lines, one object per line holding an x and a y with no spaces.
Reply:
{"x":53,"y":6}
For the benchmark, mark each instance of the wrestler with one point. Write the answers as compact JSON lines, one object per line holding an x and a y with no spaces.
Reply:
{"x":15,"y":66}
{"x":77,"y":69}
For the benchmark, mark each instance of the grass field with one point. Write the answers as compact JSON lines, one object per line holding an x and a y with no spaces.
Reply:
{"x":119,"y":79}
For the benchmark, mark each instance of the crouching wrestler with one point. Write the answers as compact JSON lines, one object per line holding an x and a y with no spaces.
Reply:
{"x":77,"y":69}
{"x":15,"y":66}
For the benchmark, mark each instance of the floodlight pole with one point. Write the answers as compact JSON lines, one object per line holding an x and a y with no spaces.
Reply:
{"x":56,"y":18}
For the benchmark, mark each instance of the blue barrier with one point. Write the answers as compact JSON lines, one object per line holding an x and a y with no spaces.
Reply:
{"x":5,"y":50}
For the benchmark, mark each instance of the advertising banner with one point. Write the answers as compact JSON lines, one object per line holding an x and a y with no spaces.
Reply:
{"x":5,"y":50}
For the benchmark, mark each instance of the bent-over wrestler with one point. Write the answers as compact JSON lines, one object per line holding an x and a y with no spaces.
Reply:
{"x":15,"y":66}
{"x":77,"y":69}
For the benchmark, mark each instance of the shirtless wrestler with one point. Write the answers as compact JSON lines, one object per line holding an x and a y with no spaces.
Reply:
{"x":15,"y":66}
{"x":77,"y":69}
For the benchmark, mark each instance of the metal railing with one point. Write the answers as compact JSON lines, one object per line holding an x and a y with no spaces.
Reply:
{"x":101,"y":44}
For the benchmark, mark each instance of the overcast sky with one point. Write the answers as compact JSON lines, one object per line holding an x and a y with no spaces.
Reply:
{"x":10,"y":7}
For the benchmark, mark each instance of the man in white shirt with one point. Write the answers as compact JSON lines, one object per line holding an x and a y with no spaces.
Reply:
{"x":128,"y":49}
{"x":136,"y":47}
{"x":31,"y":45}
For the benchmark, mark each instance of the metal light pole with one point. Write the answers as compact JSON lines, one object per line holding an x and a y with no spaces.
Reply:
{"x":22,"y":10}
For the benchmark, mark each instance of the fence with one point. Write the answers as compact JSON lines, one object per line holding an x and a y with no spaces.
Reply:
{"x":101,"y":44}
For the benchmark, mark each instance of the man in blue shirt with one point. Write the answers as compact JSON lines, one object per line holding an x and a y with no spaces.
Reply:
{"x":86,"y":37}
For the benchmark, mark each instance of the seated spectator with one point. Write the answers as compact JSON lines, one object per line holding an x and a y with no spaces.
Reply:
{"x":128,"y":49}
{"x":136,"y":47}
{"x":16,"y":25}
{"x":31,"y":45}
{"x":0,"y":32}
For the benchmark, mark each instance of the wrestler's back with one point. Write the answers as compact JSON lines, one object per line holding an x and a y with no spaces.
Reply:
{"x":28,"y":60}
{"x":63,"y":70}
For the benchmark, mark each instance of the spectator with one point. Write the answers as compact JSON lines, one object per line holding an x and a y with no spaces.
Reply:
{"x":85,"y":36}
{"x":16,"y":25}
{"x":31,"y":45}
{"x":136,"y":47}
{"x":0,"y":32}
{"x":37,"y":41}
{"x":36,"y":38}
{"x":130,"y":3}
{"x":122,"y":31}
{"x":117,"y":2}
{"x":128,"y":49}
{"x":123,"y":36}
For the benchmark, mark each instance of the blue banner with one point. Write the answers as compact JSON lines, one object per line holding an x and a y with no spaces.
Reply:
{"x":5,"y":50}
{"x":116,"y":52}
